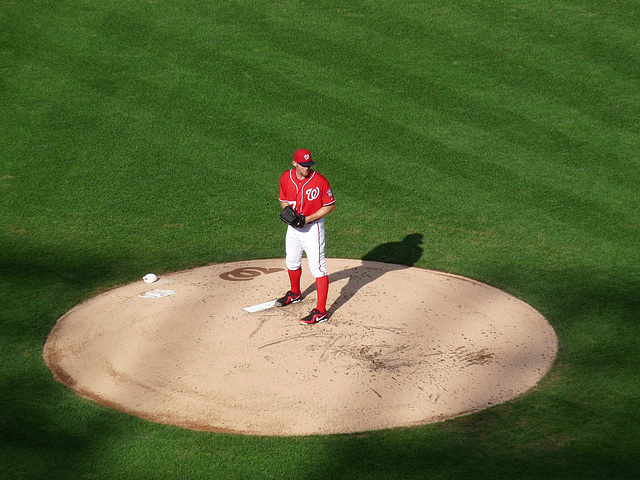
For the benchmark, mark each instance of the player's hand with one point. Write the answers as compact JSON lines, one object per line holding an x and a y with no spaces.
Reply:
{"x":300,"y":222}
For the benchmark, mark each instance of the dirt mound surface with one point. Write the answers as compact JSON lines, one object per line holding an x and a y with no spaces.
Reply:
{"x":403,"y":346}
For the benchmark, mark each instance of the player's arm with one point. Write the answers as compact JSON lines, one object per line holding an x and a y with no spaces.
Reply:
{"x":322,"y":211}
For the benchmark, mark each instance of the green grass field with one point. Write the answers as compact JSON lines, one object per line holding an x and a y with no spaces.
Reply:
{"x":140,"y":136}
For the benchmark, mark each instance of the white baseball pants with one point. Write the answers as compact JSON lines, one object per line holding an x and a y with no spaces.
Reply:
{"x":309,"y":239}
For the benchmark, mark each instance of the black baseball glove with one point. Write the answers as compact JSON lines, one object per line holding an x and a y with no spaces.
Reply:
{"x":289,"y":216}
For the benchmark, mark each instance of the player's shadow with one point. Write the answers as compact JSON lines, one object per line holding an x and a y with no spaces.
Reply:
{"x":397,"y":256}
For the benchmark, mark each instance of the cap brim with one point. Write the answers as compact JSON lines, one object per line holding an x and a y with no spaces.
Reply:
{"x":306,"y":164}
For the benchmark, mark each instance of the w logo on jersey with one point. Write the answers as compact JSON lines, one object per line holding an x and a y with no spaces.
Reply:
{"x":313,"y":193}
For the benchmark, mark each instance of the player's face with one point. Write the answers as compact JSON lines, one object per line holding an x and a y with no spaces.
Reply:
{"x":302,"y":172}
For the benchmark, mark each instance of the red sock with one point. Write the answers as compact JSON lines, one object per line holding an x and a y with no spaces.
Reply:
{"x":294,"y":278}
{"x":322,"y":286}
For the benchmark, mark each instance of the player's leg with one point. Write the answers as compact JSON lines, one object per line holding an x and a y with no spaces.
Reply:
{"x":294,"y":251}
{"x":294,"y":280}
{"x":314,"y":246}
{"x":322,"y":286}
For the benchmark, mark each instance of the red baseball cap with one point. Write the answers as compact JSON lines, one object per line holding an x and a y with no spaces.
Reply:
{"x":303,"y":157}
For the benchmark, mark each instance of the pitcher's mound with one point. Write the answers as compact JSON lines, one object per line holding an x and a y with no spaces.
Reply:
{"x":402,"y":346}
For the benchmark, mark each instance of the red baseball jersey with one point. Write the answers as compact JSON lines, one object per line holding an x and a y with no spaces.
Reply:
{"x":308,"y":195}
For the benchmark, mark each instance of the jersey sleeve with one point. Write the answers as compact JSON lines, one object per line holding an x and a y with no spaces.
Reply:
{"x":327,"y":195}
{"x":284,"y":191}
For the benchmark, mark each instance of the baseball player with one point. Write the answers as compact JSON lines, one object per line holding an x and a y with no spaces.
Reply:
{"x":305,"y":197}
